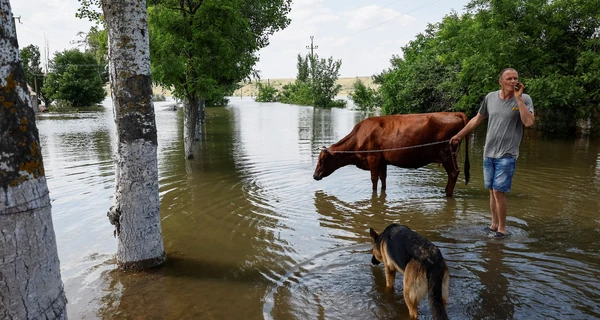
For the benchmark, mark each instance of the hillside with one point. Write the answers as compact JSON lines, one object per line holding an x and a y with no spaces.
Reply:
{"x":250,"y":89}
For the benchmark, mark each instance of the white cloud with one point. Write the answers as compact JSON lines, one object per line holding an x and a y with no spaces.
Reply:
{"x":364,"y":36}
{"x":341,"y":42}
{"x":52,"y":22}
{"x":376,"y":16}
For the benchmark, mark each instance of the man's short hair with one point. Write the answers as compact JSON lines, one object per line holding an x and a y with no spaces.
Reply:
{"x":504,"y":70}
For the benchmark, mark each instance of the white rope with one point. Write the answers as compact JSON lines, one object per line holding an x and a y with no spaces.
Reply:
{"x":393,"y":149}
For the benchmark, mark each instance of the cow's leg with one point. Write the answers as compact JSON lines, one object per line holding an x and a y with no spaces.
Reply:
{"x":374,"y":178}
{"x":374,"y":167}
{"x":452,"y":169}
{"x":383,"y":175}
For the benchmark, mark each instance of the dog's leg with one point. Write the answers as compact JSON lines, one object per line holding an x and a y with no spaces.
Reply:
{"x":415,"y":286}
{"x":390,"y":276}
{"x":445,"y":286}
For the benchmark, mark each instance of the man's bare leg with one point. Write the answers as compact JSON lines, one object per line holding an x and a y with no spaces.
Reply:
{"x":500,"y":213}
{"x":493,"y":210}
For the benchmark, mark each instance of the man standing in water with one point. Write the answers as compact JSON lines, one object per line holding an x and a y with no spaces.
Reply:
{"x":507,"y":111}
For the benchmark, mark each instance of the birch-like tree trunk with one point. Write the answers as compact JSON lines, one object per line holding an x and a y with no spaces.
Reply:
{"x":136,"y":207}
{"x":190,"y":123}
{"x":30,"y":283}
{"x":200,"y":121}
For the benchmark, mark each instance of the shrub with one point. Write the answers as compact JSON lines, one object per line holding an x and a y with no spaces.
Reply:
{"x":298,"y":92}
{"x":158,"y":97}
{"x":364,"y":97}
{"x":266,"y":93}
{"x":62,"y":106}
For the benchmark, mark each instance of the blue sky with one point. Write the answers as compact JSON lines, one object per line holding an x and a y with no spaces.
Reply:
{"x":363,"y":34}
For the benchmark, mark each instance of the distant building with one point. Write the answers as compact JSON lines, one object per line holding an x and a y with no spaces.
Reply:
{"x":34,"y":102}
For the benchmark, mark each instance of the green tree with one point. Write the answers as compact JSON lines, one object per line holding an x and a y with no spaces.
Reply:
{"x":75,"y":76}
{"x":95,"y":41}
{"x":324,"y":75}
{"x":316,"y":83}
{"x":454,"y":63}
{"x":303,"y":69}
{"x":33,"y":71}
{"x":217,"y":41}
{"x":364,"y":97}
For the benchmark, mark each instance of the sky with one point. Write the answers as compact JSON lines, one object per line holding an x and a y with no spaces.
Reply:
{"x":363,"y":34}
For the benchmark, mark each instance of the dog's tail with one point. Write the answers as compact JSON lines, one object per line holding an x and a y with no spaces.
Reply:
{"x":435,"y":277}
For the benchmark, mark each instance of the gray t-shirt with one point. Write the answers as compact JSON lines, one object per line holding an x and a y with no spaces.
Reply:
{"x":505,"y":128}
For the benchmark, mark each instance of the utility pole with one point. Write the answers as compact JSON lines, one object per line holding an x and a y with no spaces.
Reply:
{"x":312,"y":64}
{"x":312,"y":47}
{"x":37,"y":96}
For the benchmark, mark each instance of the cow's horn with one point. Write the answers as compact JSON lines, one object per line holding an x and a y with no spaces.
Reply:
{"x":323,"y":148}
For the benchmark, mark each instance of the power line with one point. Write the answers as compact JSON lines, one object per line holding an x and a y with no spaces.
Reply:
{"x":35,"y":27}
{"x":394,"y":18}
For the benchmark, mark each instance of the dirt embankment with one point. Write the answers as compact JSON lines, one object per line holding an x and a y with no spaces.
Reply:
{"x":251,"y":89}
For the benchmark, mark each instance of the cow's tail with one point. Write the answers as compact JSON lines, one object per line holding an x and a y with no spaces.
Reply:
{"x":467,"y":164}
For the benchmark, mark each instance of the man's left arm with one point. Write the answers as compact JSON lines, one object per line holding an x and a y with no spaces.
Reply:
{"x":527,"y":116}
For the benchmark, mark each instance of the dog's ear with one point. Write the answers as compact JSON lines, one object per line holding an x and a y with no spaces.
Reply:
{"x":374,"y":234}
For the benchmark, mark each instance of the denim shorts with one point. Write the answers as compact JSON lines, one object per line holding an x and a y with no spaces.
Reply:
{"x":498,"y":173}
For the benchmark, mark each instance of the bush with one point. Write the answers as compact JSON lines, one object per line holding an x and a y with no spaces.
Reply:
{"x":364,"y":97}
{"x":158,"y":97}
{"x":62,"y":106}
{"x":337,"y":104}
{"x":266,"y":93}
{"x":298,"y":92}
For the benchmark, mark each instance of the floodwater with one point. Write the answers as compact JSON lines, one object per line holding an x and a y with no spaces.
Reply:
{"x":250,"y":235}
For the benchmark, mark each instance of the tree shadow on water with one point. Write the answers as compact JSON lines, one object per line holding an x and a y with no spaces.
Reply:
{"x":182,"y":288}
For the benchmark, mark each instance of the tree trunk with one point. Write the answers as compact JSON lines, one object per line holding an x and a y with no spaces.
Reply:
{"x":30,"y":282}
{"x":136,"y":207}
{"x":190,"y":119}
{"x":200,"y":121}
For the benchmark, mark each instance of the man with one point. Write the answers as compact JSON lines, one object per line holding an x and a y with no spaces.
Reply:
{"x":507,"y":111}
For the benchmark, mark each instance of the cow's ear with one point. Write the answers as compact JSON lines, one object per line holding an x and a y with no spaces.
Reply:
{"x":374,"y":234}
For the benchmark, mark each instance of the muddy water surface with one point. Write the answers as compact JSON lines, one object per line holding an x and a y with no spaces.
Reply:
{"x":250,"y":235}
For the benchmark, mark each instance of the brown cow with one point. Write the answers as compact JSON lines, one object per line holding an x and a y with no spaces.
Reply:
{"x":406,"y":141}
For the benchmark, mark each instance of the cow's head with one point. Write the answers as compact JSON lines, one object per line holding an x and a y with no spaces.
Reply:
{"x":326,"y":164}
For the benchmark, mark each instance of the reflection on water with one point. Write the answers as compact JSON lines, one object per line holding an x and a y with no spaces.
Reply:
{"x":249,"y":234}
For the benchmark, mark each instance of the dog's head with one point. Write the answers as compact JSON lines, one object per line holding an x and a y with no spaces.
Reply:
{"x":376,"y":259}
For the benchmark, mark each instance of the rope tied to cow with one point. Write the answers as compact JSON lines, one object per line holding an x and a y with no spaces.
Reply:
{"x":453,"y":153}
{"x":392,"y":149}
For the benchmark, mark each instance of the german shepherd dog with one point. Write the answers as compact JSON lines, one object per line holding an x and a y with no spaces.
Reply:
{"x":421,"y":262}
